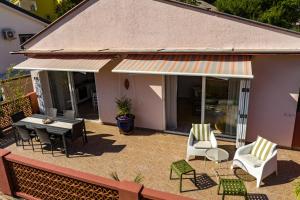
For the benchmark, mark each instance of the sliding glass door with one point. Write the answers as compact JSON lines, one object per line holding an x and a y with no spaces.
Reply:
{"x":60,"y":92}
{"x":221,"y":105}
{"x":217,"y":101}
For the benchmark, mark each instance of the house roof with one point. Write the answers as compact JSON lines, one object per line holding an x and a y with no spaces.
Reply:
{"x":59,"y":52}
{"x":19,"y":9}
{"x":188,"y":6}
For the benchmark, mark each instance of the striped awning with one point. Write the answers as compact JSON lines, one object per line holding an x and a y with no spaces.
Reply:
{"x":65,"y":63}
{"x":191,"y":65}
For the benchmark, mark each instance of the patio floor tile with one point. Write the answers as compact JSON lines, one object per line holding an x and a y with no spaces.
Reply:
{"x":151,"y":154}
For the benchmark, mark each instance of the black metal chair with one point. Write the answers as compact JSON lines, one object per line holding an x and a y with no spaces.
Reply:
{"x":45,"y":139}
{"x":78,"y":130}
{"x":25,"y":135}
{"x":15,"y":118}
{"x":18,"y":116}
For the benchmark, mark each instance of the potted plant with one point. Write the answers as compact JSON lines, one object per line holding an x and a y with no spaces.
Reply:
{"x":125,"y":120}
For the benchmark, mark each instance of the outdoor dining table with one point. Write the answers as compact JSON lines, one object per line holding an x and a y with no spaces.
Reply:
{"x":60,"y":126}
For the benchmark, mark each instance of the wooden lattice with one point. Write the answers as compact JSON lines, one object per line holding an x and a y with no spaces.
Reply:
{"x":7,"y":111}
{"x":49,"y":186}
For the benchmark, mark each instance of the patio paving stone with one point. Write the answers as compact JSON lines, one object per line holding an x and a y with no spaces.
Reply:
{"x":151,"y":154}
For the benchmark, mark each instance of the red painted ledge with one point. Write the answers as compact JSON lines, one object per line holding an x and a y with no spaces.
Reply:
{"x":26,"y":196}
{"x":82,"y":176}
{"x":158,"y":195}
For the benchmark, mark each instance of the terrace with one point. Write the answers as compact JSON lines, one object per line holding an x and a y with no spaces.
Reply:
{"x":151,"y":154}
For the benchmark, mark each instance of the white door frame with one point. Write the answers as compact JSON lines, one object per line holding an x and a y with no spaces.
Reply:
{"x":72,"y":92}
{"x":242,"y":114}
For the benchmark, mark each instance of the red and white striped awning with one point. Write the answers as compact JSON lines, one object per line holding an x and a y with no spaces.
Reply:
{"x":237,"y":66}
{"x":65,"y":63}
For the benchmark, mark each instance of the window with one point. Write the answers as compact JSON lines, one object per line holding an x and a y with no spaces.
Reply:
{"x":24,"y":37}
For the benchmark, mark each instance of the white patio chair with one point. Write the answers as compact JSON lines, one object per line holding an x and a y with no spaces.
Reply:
{"x":52,"y":112}
{"x":258,"y":166}
{"x":198,"y":147}
{"x":69,"y":114}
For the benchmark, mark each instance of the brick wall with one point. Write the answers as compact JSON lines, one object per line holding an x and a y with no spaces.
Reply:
{"x":32,"y":179}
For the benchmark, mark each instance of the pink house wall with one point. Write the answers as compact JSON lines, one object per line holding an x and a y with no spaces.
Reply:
{"x":272,"y":109}
{"x":133,"y":24}
{"x":146,"y":92}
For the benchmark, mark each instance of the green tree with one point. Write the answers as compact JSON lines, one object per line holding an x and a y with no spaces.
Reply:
{"x":65,"y":6}
{"x":192,"y":2}
{"x":283,"y":13}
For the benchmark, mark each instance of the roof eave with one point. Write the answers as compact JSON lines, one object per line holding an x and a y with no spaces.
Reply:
{"x":158,"y":51}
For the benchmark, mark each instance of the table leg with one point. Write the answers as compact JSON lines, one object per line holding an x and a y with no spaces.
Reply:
{"x":171,"y":174}
{"x":65,"y":145}
{"x":219,"y":188}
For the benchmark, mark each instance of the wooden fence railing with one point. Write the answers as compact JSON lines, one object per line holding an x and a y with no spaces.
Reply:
{"x":29,"y":106}
{"x":32,"y":179}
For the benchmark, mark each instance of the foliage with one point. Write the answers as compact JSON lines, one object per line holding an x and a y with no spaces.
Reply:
{"x":297,"y":190}
{"x":192,"y":2}
{"x":138,"y":179}
{"x":124,"y":105}
{"x":115,"y":176}
{"x":15,"y":89}
{"x":66,"y":5}
{"x":284,"y":13}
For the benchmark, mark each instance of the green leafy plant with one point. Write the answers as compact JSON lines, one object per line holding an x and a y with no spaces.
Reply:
{"x":297,"y":190}
{"x":138,"y":179}
{"x":115,"y":176}
{"x":14,"y":89}
{"x":124,"y":105}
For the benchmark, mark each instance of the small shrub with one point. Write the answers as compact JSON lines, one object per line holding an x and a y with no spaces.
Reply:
{"x":297,"y":190}
{"x":124,"y":105}
{"x":138,"y":179}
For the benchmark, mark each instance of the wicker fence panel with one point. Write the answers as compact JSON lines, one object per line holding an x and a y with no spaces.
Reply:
{"x":49,"y":186}
{"x":7,"y":107}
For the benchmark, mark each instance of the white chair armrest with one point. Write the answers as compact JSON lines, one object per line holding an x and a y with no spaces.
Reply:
{"x":213,"y":140}
{"x":270,"y":162}
{"x":191,"y":138}
{"x":245,"y":149}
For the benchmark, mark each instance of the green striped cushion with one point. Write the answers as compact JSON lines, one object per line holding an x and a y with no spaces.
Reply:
{"x":262,"y":148}
{"x":201,"y":131}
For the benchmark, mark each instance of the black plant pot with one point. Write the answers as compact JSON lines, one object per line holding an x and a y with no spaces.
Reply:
{"x":125,"y":123}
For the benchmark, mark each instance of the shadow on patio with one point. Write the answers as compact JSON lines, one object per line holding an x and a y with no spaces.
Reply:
{"x":107,"y":151}
{"x":8,"y":139}
{"x":97,"y":145}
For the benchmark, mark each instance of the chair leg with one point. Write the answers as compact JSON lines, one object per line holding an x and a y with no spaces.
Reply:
{"x":32,"y":145}
{"x":51,"y":145}
{"x":23,"y":144}
{"x":42,"y":148}
{"x":258,"y":181}
{"x":187,"y":158}
{"x":195,"y":177}
{"x":171,"y":174}
{"x":180,"y":185}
